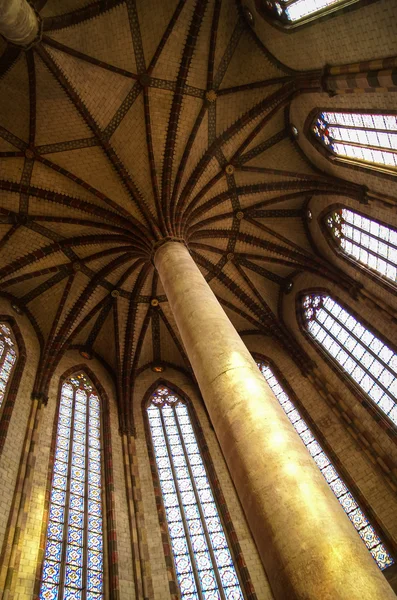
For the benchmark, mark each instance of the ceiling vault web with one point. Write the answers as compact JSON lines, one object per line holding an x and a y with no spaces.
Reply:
{"x":125,"y":140}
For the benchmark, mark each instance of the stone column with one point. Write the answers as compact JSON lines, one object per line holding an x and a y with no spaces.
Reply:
{"x":18,"y":22}
{"x":307,"y":544}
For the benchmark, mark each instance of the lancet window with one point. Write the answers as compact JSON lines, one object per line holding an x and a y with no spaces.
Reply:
{"x":362,"y":138}
{"x":370,"y":243}
{"x":202,"y":558}
{"x":328,"y":470}
{"x":299,"y":11}
{"x":73,"y":560}
{"x":369,"y":361}
{"x":8,"y":358}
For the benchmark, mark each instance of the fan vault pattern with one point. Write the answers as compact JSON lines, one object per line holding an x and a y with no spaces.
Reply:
{"x":131,"y":123}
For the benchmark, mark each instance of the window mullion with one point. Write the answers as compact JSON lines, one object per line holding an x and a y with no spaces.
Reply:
{"x":370,"y":235}
{"x":85,"y":522}
{"x":202,"y":517}
{"x":67,"y":501}
{"x":353,"y":335}
{"x":181,"y":506}
{"x":357,"y":361}
{"x":345,"y":142}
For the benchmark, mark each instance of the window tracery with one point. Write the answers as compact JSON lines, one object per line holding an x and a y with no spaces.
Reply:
{"x":370,"y":243}
{"x":364,"y":138}
{"x":362,"y":355}
{"x":296,"y":11}
{"x":203,"y":562}
{"x":8,"y":357}
{"x":73,"y":560}
{"x":329,"y":472}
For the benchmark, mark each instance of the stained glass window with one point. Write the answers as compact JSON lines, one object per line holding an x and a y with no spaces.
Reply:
{"x":369,"y":242}
{"x":73,"y":561}
{"x":335,"y":482}
{"x":368,"y":360}
{"x":8,"y":357}
{"x":370,"y":139}
{"x":203,"y":562}
{"x":295,"y":11}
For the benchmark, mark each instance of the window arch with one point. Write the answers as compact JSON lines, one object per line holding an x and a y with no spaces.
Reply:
{"x":327,"y":468}
{"x":368,"y":139}
{"x":366,"y":241}
{"x":73,"y":557}
{"x":8,"y":359}
{"x":202,"y":558}
{"x":296,"y":12}
{"x":370,"y":363}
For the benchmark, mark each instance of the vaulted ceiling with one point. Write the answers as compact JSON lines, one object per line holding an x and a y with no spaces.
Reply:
{"x":131,"y":122}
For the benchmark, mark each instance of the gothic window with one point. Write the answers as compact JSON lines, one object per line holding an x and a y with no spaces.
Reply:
{"x":361,"y":138}
{"x":73,"y":561}
{"x":370,"y":243}
{"x":203,"y":562}
{"x":335,"y":482}
{"x":8,"y":357}
{"x":362,"y":355}
{"x":299,"y":11}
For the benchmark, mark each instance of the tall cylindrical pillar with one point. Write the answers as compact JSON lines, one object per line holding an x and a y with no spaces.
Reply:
{"x":307,"y":544}
{"x":18,"y":22}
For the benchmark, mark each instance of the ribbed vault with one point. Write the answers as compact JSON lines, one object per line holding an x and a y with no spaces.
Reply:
{"x":134,"y":122}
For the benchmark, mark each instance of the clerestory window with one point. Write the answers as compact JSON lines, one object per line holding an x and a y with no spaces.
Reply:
{"x":366,"y":139}
{"x":369,"y":242}
{"x":73,"y":560}
{"x":329,"y":472}
{"x":300,"y":11}
{"x":8,"y":358}
{"x":370,"y":363}
{"x":203,"y":562}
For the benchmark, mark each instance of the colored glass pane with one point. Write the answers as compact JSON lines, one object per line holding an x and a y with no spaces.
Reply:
{"x":369,"y":242}
{"x":368,"y":360}
{"x":291,"y":11}
{"x":337,"y":485}
{"x":363,"y":137}
{"x":72,"y":566}
{"x":8,"y":359}
{"x":203,"y":562}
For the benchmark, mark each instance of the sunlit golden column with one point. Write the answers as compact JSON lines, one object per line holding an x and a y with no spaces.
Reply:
{"x":18,"y":22}
{"x":308,"y":546}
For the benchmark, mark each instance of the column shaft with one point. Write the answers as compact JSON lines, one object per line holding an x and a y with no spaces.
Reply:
{"x":307,"y":544}
{"x":18,"y":22}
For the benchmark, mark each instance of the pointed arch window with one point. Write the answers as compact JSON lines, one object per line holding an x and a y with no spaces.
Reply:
{"x":369,"y":242}
{"x":202,"y":558}
{"x":290,"y":12}
{"x":367,"y":139}
{"x":8,"y":358}
{"x":73,"y":560}
{"x":370,"y":363}
{"x":329,"y":472}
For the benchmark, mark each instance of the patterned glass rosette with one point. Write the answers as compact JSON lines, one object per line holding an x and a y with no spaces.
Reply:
{"x":370,"y":243}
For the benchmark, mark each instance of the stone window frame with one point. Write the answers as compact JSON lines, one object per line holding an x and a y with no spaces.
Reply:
{"x":12,"y":388}
{"x":110,"y":552}
{"x":368,"y":168}
{"x":376,"y":413}
{"x":345,"y":6}
{"x":384,"y":535}
{"x":223,"y":512}
{"x":378,"y":278}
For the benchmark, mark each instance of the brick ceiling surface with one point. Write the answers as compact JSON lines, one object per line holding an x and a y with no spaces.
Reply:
{"x":133,"y":121}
